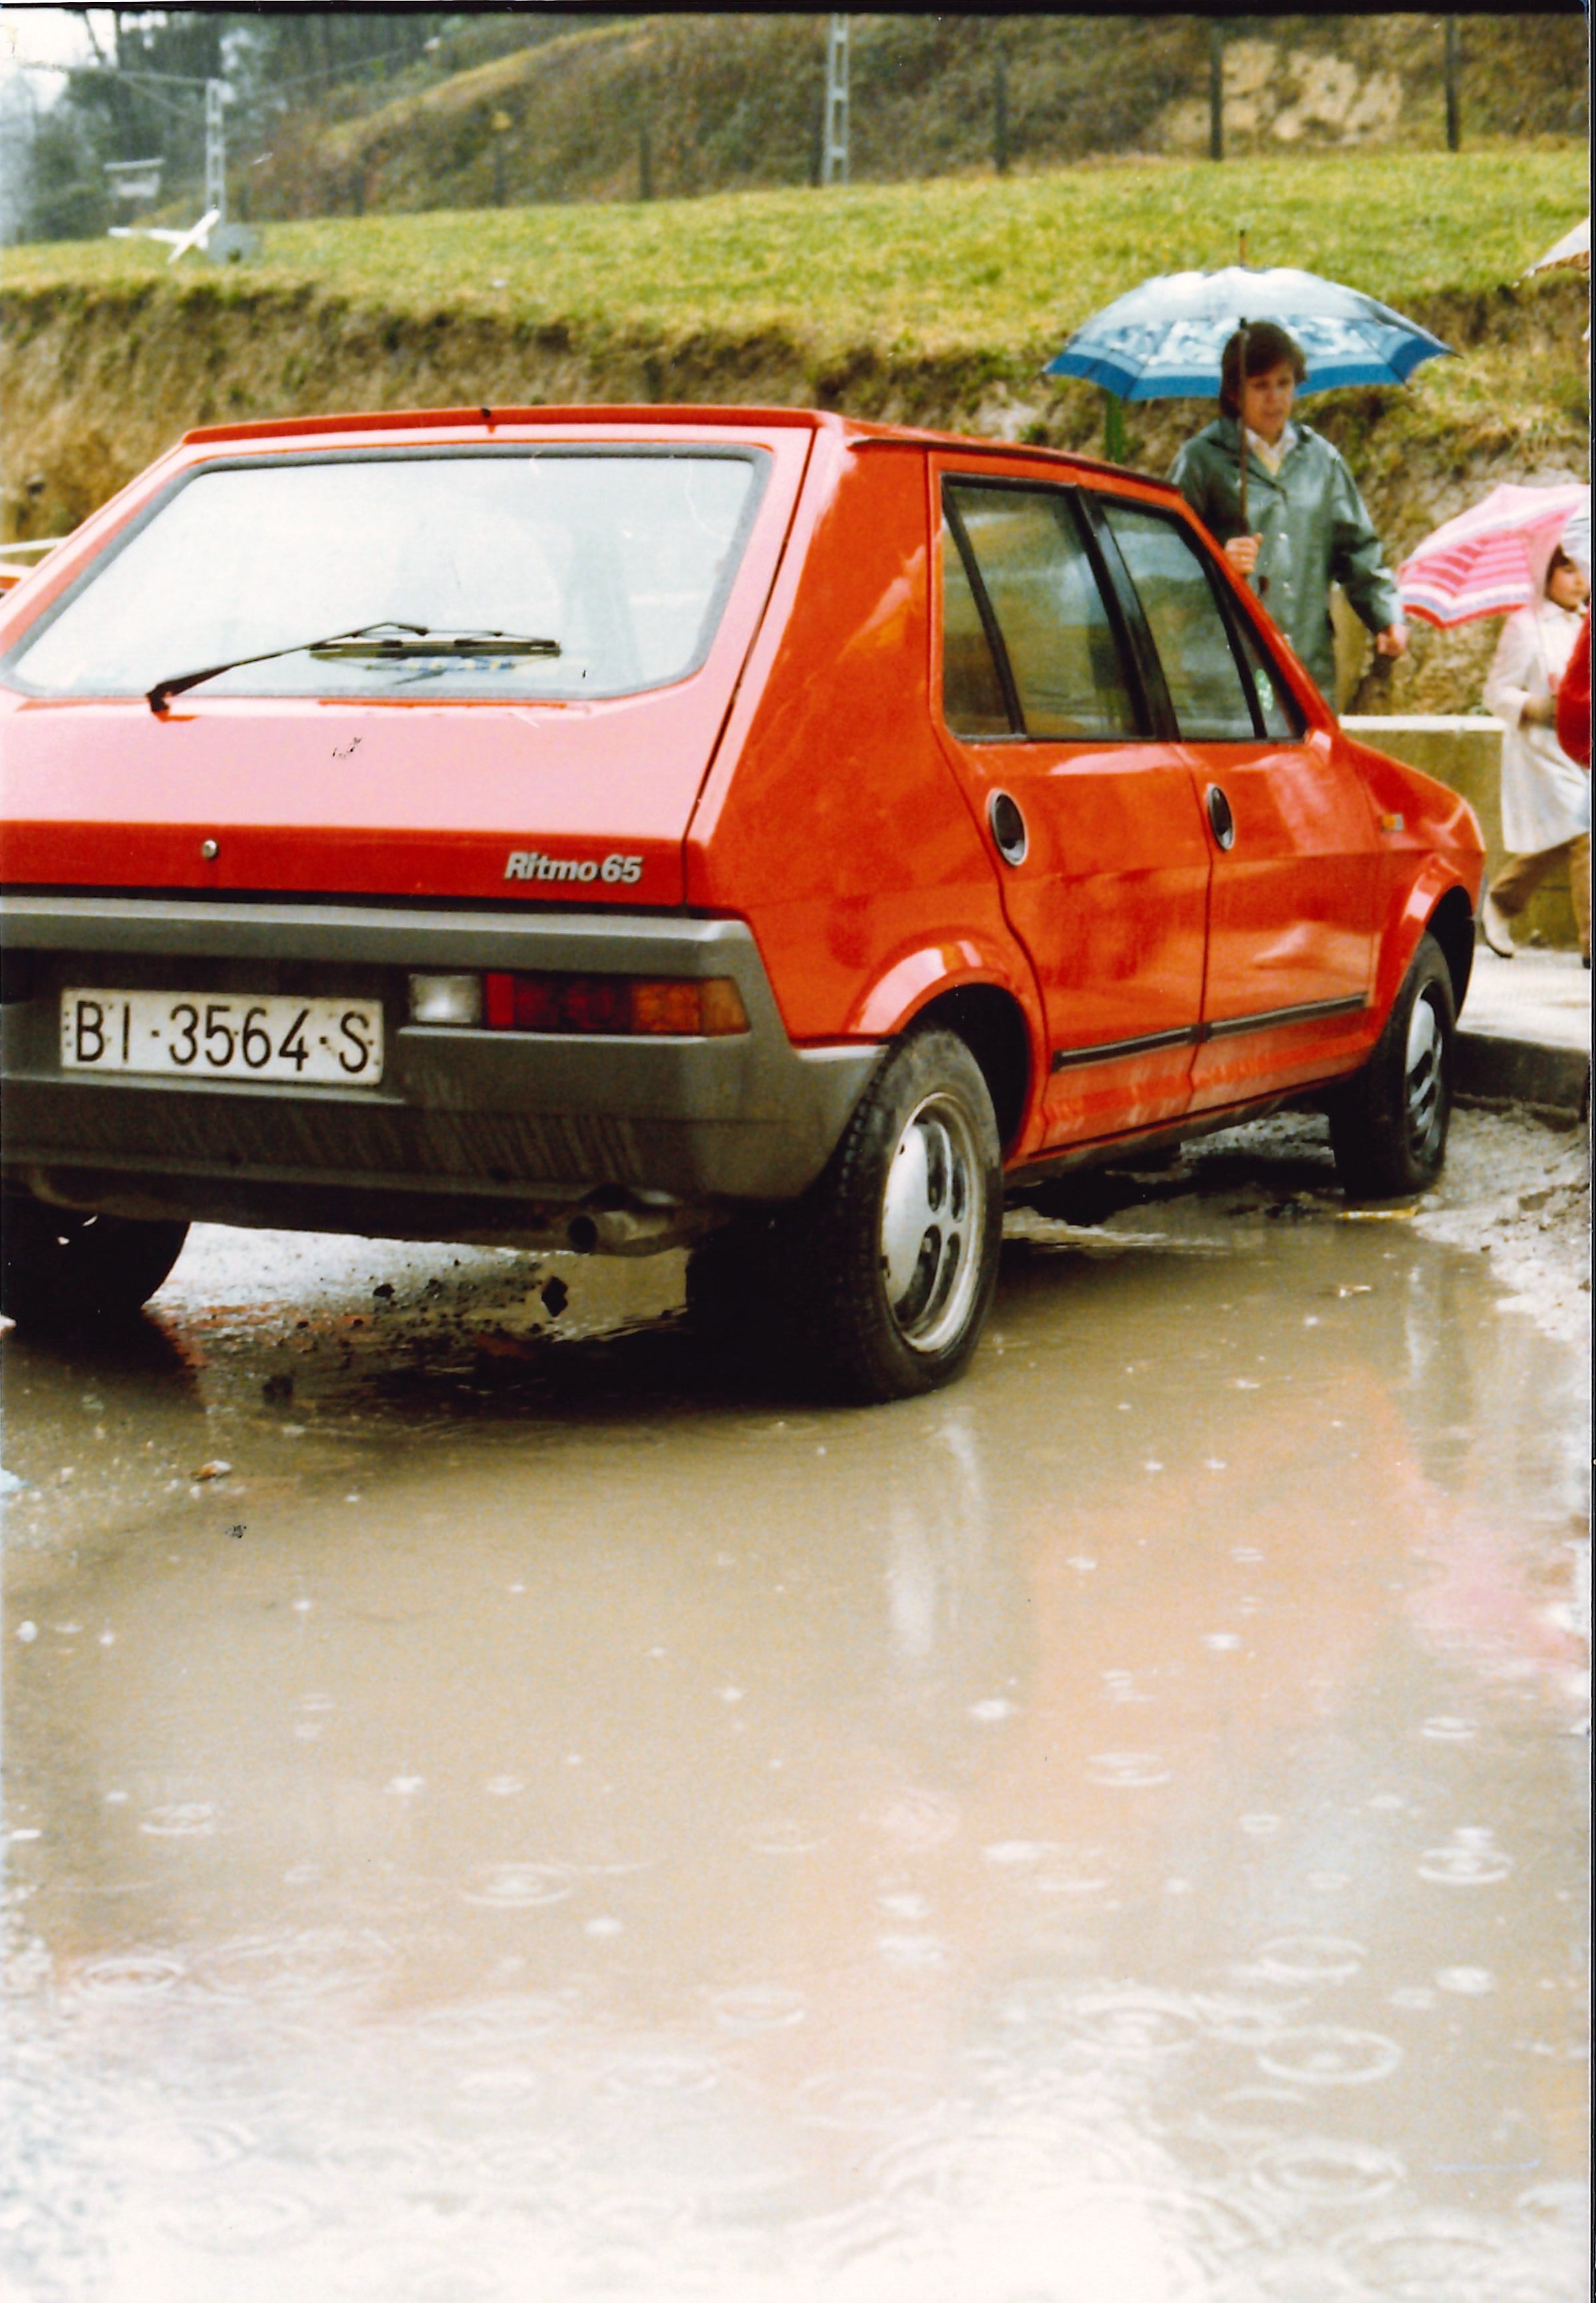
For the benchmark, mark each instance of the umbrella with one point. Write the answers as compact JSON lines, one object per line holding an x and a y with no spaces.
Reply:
{"x":1484,"y":562}
{"x":1574,"y":248}
{"x":1163,"y":340}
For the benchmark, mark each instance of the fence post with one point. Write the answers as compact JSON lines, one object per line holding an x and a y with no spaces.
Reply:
{"x":836,"y":164}
{"x":1454,"y":129}
{"x":645,"y":163}
{"x":1114,"y":429}
{"x":1000,"y":114}
{"x":1216,"y":89}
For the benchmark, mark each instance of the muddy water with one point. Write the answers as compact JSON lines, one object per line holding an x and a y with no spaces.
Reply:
{"x":557,"y":1820}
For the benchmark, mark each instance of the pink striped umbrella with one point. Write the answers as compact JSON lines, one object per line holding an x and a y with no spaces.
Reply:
{"x":1485,"y":561}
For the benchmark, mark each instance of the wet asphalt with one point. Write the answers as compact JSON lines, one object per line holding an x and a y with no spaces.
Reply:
{"x":503,"y":1801}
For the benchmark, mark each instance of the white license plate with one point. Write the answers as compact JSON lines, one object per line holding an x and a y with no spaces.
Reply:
{"x":199,"y":1036}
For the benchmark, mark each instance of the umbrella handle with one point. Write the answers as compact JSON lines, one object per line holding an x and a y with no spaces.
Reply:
{"x":1241,"y":428}
{"x":1262,"y":582}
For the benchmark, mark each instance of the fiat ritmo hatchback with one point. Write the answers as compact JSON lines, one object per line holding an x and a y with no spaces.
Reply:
{"x":733,"y":828}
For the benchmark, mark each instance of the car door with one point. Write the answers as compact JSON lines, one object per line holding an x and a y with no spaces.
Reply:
{"x":1104,"y":851}
{"x":1291,"y":901}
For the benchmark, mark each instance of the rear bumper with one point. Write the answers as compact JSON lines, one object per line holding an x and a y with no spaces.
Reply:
{"x":471,"y":1134}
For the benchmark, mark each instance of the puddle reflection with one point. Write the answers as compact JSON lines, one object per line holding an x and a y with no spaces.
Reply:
{"x":1101,"y":1836}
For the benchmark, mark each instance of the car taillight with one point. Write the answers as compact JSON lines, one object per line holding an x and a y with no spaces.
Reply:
{"x":692,"y":1007}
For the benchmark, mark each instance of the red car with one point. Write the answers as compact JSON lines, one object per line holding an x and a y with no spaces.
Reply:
{"x":631,"y":827}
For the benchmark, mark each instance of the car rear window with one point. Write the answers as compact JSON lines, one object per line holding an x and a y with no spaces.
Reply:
{"x":621,"y":559}
{"x":1031,"y":561}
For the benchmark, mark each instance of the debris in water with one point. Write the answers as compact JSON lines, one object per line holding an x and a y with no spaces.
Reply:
{"x":277,"y":1388}
{"x":1376,"y":1215}
{"x":216,"y":1469}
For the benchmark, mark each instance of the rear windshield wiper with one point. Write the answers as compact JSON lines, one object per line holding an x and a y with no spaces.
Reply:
{"x":384,"y":643}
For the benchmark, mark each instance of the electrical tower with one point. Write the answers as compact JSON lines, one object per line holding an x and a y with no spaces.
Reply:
{"x":833,"y":167}
{"x":215,"y":149}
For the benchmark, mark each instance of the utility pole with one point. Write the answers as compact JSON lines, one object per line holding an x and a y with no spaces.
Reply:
{"x":833,"y":164}
{"x":216,"y":150}
{"x":1216,"y":89}
{"x":1454,"y":129}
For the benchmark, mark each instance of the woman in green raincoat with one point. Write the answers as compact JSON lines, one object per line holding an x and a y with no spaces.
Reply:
{"x":1307,"y":526}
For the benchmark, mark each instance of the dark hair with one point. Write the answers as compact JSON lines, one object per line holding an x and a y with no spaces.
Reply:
{"x":1267,"y":347}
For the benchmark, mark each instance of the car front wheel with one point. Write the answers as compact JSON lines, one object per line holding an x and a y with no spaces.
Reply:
{"x":1387,"y":1125}
{"x":888,"y":1266}
{"x":58,"y":1269}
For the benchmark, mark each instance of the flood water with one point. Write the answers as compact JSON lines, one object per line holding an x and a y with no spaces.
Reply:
{"x":556,"y":1818}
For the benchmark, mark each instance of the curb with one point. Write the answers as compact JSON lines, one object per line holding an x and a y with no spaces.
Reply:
{"x":1494,"y":1069}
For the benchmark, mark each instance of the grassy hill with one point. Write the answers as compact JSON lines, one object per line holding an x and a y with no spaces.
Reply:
{"x":735,"y":102}
{"x":936,"y":301}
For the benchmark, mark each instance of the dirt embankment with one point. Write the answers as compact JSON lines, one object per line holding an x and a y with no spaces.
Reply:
{"x":93,"y":382}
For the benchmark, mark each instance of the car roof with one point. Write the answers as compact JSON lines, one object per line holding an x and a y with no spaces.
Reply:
{"x":851,"y":431}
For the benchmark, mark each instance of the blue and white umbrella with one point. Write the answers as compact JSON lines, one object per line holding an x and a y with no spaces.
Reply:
{"x":1163,"y":340}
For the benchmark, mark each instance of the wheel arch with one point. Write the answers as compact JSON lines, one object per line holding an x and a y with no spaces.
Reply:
{"x":1452,"y":924}
{"x":972,"y":986}
{"x":992,"y":1024}
{"x":1434,"y":900}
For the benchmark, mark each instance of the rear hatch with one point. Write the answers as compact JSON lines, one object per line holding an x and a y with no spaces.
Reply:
{"x":531,"y":643}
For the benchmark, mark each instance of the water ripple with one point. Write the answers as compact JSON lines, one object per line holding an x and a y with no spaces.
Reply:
{"x":519,"y":1886}
{"x":1470,"y":1858}
{"x":128,"y":1975}
{"x":1311,"y":1959}
{"x":181,"y":1819}
{"x":1325,"y":2173}
{"x":758,"y":2007}
{"x":313,"y":1963}
{"x":1136,"y":2026}
{"x":1440,"y":2258}
{"x":1128,"y":1770}
{"x":663,"y":2071}
{"x":1322,"y":2055}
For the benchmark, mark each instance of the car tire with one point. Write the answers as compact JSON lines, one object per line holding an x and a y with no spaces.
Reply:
{"x":885,"y":1270}
{"x":1387,"y":1125}
{"x":60,"y":1269}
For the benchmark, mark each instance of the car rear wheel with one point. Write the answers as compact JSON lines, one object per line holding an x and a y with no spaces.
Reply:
{"x":58,"y":1269}
{"x":1387,"y":1126}
{"x":887,"y":1266}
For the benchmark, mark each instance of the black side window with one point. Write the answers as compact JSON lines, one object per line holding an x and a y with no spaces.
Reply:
{"x":973,"y":702}
{"x":1031,"y":559}
{"x":1212,"y":700}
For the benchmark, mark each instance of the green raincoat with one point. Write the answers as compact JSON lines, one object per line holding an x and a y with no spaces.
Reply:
{"x":1314,"y":529}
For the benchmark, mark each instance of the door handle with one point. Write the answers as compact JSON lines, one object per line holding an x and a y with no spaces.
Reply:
{"x":1222,"y":823}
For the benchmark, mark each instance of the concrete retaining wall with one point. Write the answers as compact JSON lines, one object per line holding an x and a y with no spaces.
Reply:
{"x":1464,"y":751}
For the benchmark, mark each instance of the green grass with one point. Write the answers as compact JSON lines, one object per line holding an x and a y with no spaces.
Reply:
{"x":935,"y":301}
{"x":974,"y":264}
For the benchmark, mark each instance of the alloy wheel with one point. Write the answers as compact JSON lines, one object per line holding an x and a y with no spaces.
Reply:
{"x":933,"y":1212}
{"x":1422,"y":1077}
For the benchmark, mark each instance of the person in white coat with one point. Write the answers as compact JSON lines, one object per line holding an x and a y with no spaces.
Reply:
{"x":1546,"y":795}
